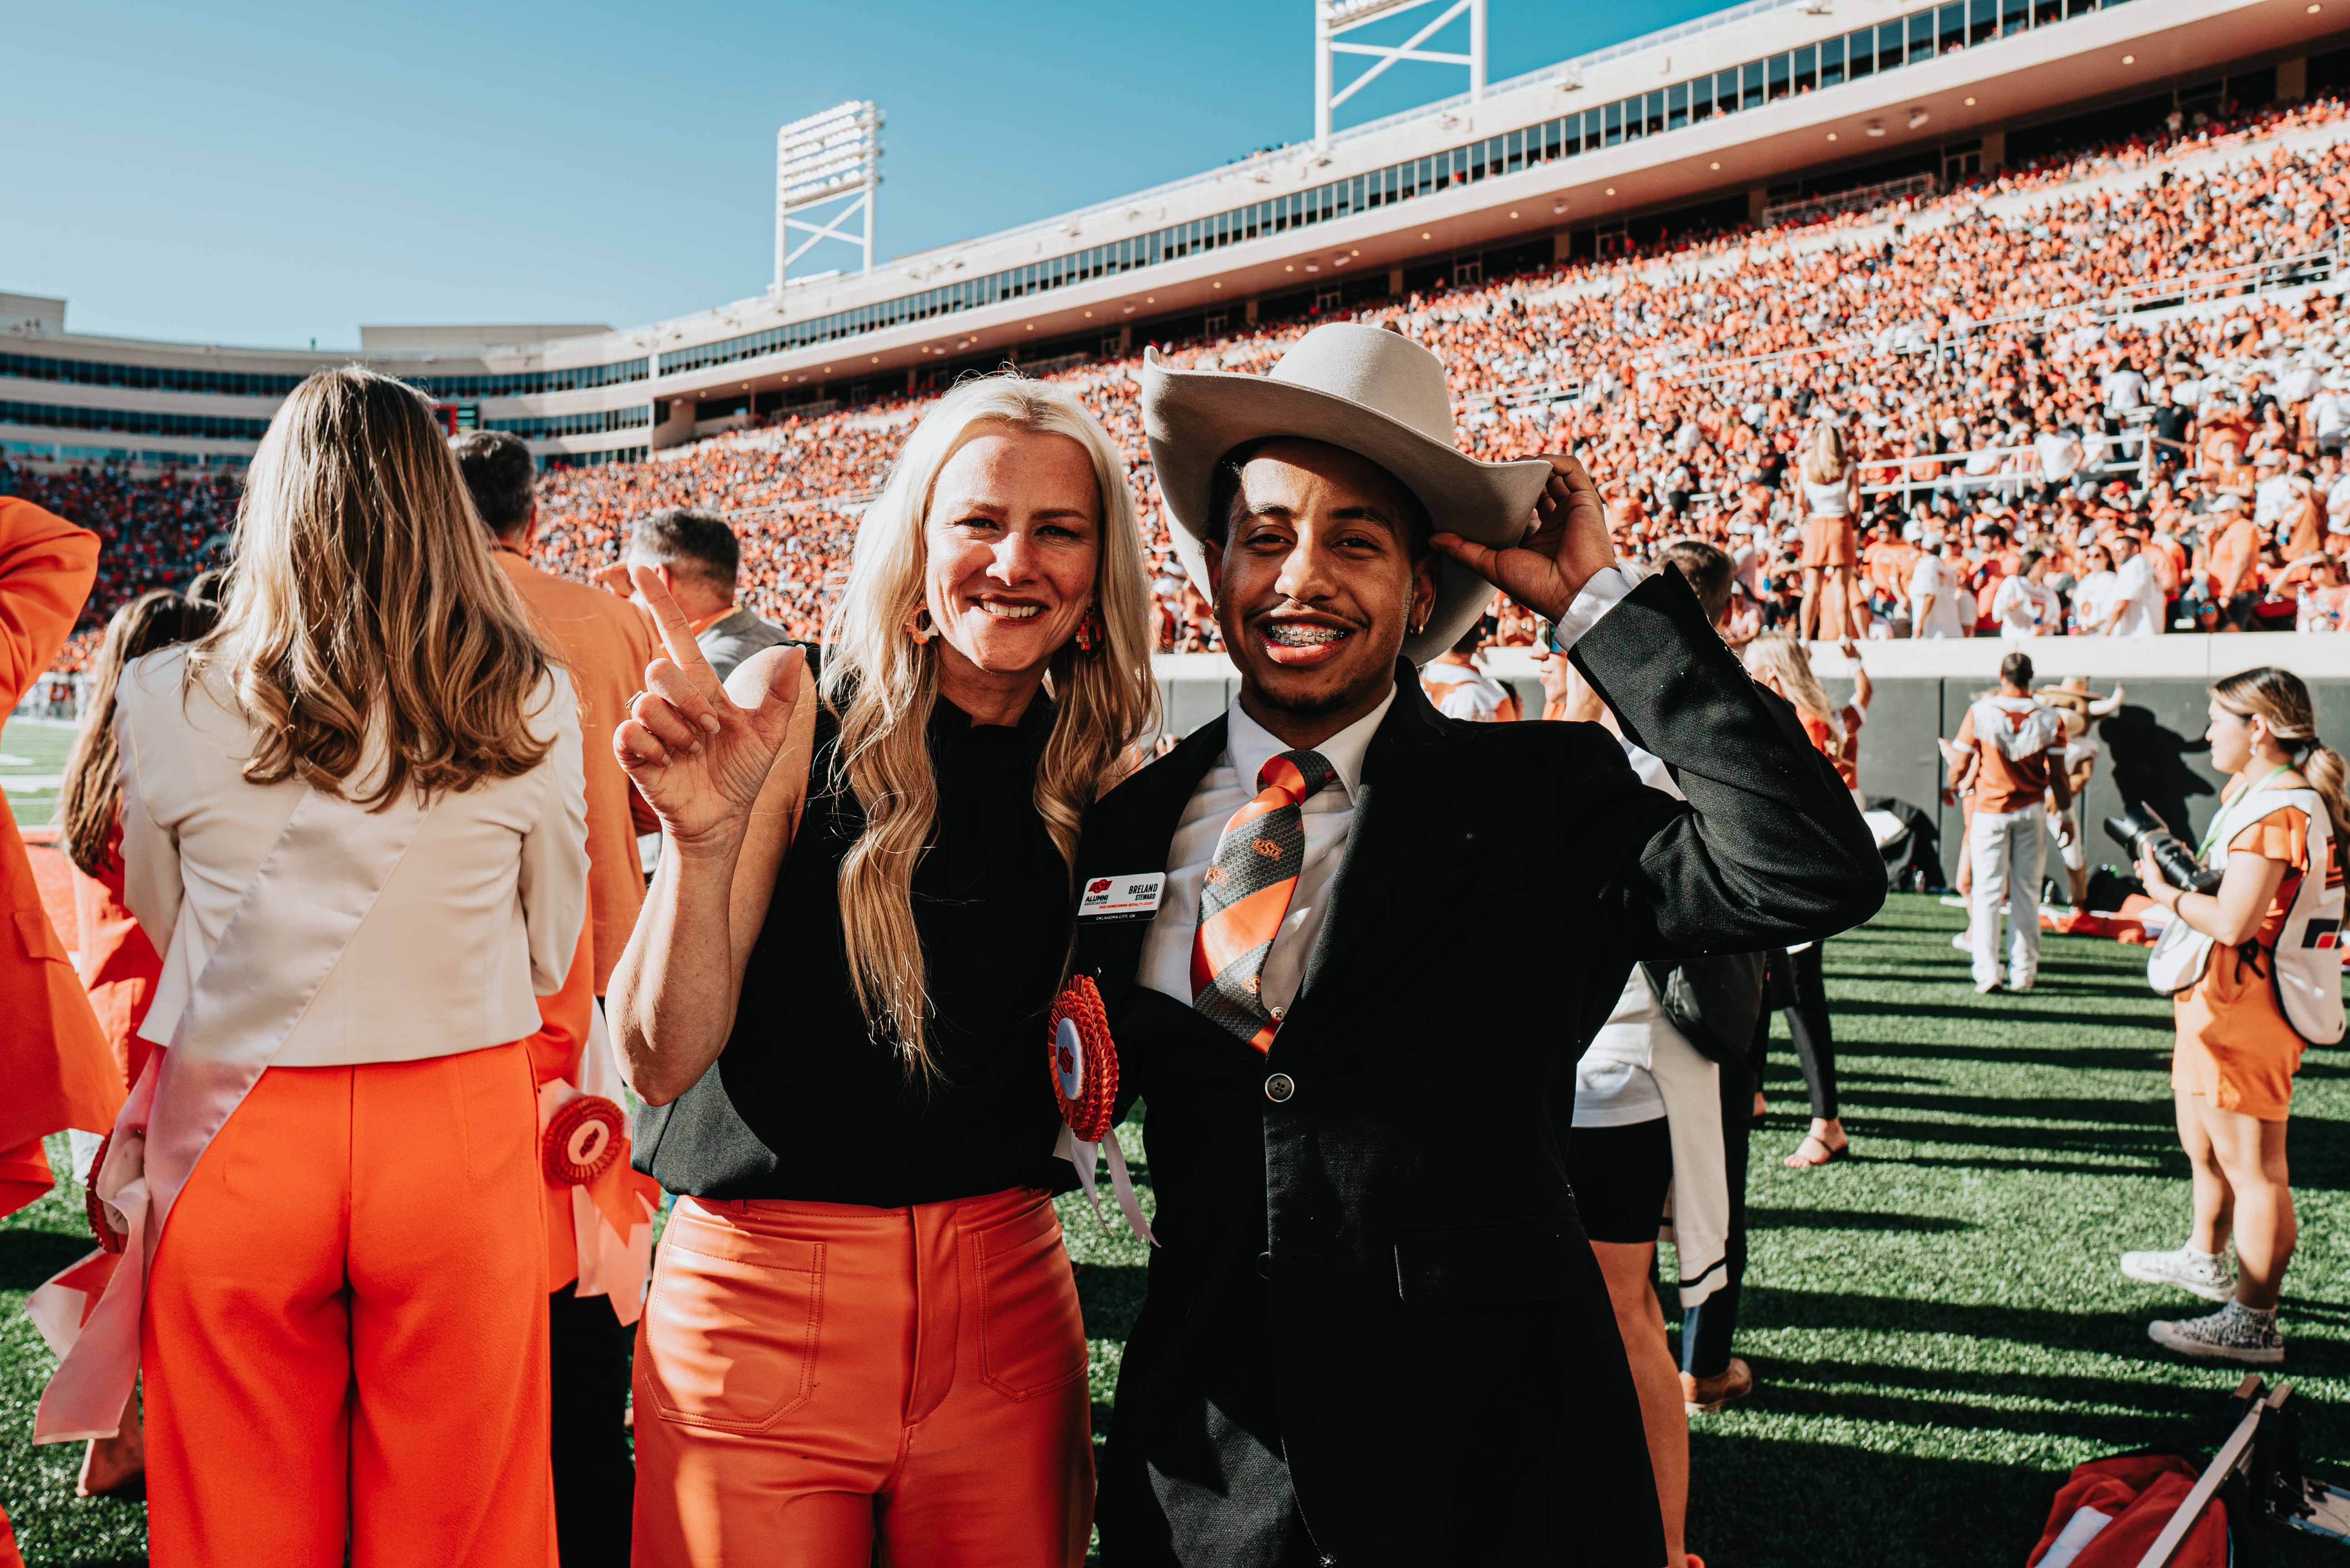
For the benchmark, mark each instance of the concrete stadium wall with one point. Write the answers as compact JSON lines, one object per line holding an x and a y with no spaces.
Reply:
{"x":2153,"y":747}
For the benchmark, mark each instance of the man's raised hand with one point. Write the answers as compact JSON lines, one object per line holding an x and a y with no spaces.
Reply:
{"x":1567,"y":546}
{"x":697,"y":756}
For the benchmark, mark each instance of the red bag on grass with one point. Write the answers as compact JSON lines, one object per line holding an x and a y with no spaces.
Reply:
{"x":2109,"y":1512}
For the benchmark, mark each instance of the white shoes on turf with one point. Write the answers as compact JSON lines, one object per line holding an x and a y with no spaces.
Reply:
{"x":2235,"y":1332}
{"x":2205,"y":1274}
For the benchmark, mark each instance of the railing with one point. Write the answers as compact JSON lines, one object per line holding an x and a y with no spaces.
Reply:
{"x":847,"y":505}
{"x":1878,"y":195}
{"x":2013,"y":480}
{"x":2246,"y":279}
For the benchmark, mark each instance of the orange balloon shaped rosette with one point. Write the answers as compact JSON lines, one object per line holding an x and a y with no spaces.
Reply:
{"x":1085,"y":1063}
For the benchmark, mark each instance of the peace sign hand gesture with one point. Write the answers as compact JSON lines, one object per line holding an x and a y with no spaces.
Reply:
{"x":1569,"y":544}
{"x":698,"y":757}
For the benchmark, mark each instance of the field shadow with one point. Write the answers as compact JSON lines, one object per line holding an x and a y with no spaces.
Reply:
{"x":1109,"y":1298}
{"x":30,"y":1258}
{"x":1760,"y":1218}
{"x":1960,"y":1513}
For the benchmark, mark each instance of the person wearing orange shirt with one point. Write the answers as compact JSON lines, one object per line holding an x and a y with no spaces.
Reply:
{"x":2012,"y":743}
{"x":605,"y":642}
{"x":2234,"y":555}
{"x":53,"y":1054}
{"x":2254,"y":969}
{"x":1889,"y":559}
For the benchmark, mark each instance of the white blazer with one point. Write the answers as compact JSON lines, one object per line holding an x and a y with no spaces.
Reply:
{"x":479,"y":919}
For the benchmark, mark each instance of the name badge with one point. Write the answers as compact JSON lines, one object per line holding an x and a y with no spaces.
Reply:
{"x":1122,"y":898}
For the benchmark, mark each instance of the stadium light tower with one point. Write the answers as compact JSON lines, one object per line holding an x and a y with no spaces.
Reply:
{"x":1333,"y":18}
{"x":821,"y":159}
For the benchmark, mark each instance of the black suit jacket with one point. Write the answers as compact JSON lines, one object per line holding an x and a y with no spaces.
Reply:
{"x":1374,"y":1317}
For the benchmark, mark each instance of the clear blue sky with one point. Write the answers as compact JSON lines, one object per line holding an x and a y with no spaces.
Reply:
{"x":237,"y":172}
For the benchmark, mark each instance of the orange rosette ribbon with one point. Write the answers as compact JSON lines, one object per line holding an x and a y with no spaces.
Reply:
{"x":582,"y":1141}
{"x":109,"y":1240}
{"x":1084,"y":1061}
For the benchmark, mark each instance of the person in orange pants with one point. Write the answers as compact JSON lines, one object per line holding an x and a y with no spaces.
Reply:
{"x":954,"y":1395}
{"x":353,"y":825}
{"x":53,"y":1055}
{"x":343,"y":1278}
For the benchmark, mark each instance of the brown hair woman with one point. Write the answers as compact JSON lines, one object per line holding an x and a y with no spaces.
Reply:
{"x":352,"y":825}
{"x":2256,"y":976}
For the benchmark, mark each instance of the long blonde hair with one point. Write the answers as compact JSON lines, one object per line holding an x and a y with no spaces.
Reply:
{"x":2279,"y":697}
{"x":1824,"y":455}
{"x":881,"y":685}
{"x":1783,"y":658}
{"x":365,"y":619}
{"x":92,"y":793}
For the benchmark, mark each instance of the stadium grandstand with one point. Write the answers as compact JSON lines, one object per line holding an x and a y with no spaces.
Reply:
{"x":1956,"y":223}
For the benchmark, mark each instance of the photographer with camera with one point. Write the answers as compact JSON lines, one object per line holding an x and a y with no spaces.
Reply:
{"x":2251,"y":957}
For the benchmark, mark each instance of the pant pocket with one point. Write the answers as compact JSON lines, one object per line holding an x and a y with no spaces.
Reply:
{"x":730,"y":1341}
{"x":1032,"y":1337}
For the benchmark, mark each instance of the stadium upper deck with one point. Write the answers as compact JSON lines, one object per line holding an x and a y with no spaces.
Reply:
{"x":1765,"y":105}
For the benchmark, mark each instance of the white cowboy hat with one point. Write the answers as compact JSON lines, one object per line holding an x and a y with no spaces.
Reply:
{"x":1371,"y":391}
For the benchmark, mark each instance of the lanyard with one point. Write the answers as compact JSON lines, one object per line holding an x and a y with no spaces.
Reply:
{"x":2212,"y":836}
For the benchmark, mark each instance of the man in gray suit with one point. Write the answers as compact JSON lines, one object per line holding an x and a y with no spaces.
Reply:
{"x":695,"y":553}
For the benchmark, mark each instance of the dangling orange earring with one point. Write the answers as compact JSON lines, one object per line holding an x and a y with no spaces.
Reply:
{"x":920,"y":627}
{"x":1091,"y":633}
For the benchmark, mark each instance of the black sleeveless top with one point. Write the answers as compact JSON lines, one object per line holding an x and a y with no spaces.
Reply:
{"x":803,"y":1103}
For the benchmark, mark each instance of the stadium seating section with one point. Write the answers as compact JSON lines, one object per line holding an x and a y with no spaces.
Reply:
{"x":1988,"y":319}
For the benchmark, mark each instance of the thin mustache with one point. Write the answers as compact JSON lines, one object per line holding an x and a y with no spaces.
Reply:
{"x":1307,"y":609}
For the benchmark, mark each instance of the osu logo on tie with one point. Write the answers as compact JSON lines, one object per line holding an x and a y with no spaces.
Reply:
{"x":1266,"y":848}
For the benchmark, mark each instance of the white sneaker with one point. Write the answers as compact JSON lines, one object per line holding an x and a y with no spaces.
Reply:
{"x":1964,"y":942}
{"x":1985,"y":986}
{"x":2021,"y":985}
{"x":2204,"y":1274}
{"x":2235,"y":1332}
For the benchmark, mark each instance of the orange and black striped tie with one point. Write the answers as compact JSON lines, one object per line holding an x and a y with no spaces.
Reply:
{"x":1247,"y":894}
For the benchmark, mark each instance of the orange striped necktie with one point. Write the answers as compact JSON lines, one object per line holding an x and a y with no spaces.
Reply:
{"x":1246,"y":895}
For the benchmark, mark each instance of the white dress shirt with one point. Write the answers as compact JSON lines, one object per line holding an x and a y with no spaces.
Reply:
{"x":479,"y":918}
{"x":2142,"y":599}
{"x":1327,"y":817}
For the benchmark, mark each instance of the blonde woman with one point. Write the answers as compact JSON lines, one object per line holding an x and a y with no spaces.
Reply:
{"x":353,"y":827}
{"x":1831,"y":495}
{"x":2255,"y":979}
{"x":1797,"y":985}
{"x":862,"y":1328}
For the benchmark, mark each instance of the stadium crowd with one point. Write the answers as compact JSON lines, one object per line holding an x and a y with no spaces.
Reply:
{"x":1994,"y":408}
{"x":2008,"y":418}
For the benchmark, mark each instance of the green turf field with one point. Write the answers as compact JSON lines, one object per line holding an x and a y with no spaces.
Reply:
{"x":32,"y":756}
{"x":1938,"y":1326}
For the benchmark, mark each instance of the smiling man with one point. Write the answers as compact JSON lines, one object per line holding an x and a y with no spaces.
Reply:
{"x":1375,"y":1333}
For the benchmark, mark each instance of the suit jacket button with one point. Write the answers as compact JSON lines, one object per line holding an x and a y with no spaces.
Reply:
{"x":1264,"y":1265}
{"x":1279,"y":1087}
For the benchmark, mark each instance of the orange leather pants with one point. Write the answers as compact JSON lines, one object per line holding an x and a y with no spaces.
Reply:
{"x":817,"y":1379}
{"x":345,"y":1338}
